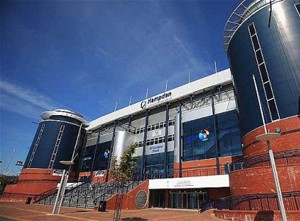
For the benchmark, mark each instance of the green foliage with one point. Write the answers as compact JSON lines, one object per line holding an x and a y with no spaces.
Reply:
{"x":4,"y":180}
{"x":122,"y":171}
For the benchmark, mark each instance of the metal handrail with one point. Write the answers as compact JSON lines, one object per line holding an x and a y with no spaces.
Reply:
{"x":45,"y":195}
{"x":250,"y":161}
{"x":243,"y":11}
{"x":266,"y":202}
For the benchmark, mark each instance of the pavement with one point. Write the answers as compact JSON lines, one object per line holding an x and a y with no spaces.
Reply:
{"x":35,"y":212}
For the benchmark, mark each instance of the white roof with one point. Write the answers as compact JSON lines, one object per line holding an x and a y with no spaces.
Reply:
{"x":178,"y":93}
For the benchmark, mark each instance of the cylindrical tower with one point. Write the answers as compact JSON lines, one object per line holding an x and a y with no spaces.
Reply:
{"x":58,"y":137}
{"x":262,"y":38}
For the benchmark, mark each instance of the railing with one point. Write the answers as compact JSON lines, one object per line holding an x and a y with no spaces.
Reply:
{"x":45,"y":195}
{"x":262,"y":202}
{"x":244,"y":10}
{"x":114,"y":188}
{"x":287,"y":157}
{"x":283,"y":157}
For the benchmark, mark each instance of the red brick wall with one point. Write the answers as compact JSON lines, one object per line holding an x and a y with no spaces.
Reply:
{"x":32,"y":182}
{"x":260,"y":180}
{"x":238,"y":215}
{"x":217,"y":193}
{"x":202,"y":167}
{"x":289,"y":140}
{"x":129,"y":198}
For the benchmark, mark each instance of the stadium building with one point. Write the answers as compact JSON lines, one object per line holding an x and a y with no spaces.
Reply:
{"x":190,"y":131}
{"x":196,"y":145}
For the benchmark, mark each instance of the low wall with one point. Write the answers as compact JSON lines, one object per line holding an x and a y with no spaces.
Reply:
{"x":247,"y":215}
{"x":129,"y":198}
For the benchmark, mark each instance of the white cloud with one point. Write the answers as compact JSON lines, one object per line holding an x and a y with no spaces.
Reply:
{"x":24,"y":101}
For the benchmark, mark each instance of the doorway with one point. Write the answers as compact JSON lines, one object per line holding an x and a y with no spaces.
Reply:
{"x":187,"y":199}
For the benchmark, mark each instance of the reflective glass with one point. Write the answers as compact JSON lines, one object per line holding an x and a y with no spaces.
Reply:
{"x":251,"y":29}
{"x":101,"y":157}
{"x":199,"y":137}
{"x":154,"y":164}
{"x":263,"y":72}
{"x":255,"y":42}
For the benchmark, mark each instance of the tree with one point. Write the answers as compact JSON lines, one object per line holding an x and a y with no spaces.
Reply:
{"x":121,"y":173}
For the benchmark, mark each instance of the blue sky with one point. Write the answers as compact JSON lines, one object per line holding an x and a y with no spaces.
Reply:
{"x":87,"y":55}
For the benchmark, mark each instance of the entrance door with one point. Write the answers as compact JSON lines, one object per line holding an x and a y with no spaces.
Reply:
{"x":157,"y":198}
{"x":187,"y":199}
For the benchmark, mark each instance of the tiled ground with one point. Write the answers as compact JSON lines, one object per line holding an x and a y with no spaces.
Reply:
{"x":22,"y":212}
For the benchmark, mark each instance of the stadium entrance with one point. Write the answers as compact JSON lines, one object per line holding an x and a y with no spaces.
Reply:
{"x":179,"y":199}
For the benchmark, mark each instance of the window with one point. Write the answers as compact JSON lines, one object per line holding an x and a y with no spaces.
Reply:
{"x":161,"y":124}
{"x":154,"y":165}
{"x":199,"y":137}
{"x":101,"y":157}
{"x":298,"y":8}
{"x":268,"y":91}
{"x":251,"y":29}
{"x":263,"y":72}
{"x":255,"y":42}
{"x":151,"y":141}
{"x":259,"y":56}
{"x":273,"y":109}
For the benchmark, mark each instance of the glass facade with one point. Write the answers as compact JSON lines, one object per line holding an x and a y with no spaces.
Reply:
{"x":101,"y":157}
{"x":199,"y":137}
{"x":155,"y":164}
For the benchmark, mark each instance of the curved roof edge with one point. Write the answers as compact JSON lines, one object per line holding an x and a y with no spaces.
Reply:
{"x":65,"y":113}
{"x":240,"y":14}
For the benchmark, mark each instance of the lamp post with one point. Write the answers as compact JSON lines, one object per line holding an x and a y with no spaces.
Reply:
{"x":266,"y":137}
{"x":65,"y":176}
{"x":62,"y":187}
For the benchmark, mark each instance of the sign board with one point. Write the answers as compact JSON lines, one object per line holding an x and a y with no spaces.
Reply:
{"x":216,"y":181}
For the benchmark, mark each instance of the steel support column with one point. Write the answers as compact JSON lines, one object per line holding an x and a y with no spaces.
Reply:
{"x":144,"y":145}
{"x":180,"y":140}
{"x":166,"y":141}
{"x":216,"y":134}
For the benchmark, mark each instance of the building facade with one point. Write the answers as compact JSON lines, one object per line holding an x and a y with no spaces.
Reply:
{"x":190,"y":131}
{"x":197,"y":143}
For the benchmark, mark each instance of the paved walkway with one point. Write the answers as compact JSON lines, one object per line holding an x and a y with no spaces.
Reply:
{"x":35,"y":212}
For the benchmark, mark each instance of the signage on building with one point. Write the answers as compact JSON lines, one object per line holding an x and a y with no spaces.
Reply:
{"x":99,"y":173}
{"x":215,"y":181}
{"x":203,"y":136}
{"x":155,"y":149}
{"x":155,"y":100}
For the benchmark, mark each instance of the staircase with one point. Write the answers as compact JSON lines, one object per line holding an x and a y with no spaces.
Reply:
{"x":87,"y":195}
